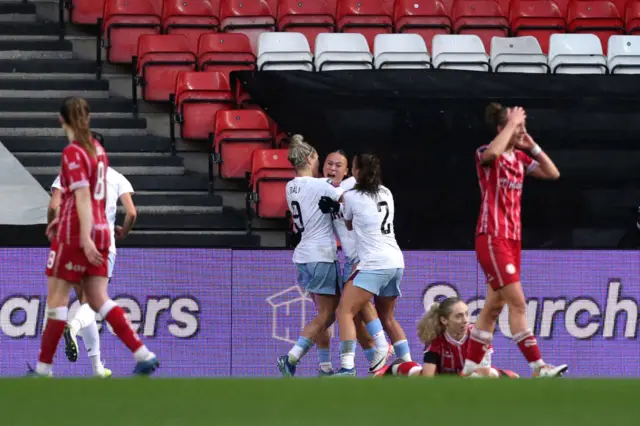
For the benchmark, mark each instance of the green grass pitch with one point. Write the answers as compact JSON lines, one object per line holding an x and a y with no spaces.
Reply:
{"x":321,"y":402}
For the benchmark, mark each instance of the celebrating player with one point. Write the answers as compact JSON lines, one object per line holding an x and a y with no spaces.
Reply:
{"x":445,"y":332}
{"x":369,"y":211}
{"x":84,"y":322}
{"x":369,"y":333}
{"x":316,"y":254}
{"x":81,"y":240}
{"x":502,"y":166}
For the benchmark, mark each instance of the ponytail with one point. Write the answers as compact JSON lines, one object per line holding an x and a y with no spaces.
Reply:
{"x":369,"y":174}
{"x":299,"y":152}
{"x":75,"y":113}
{"x":430,"y":326}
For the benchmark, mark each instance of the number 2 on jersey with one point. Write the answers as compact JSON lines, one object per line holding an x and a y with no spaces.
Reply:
{"x":98,"y":192}
{"x":385,"y":227}
{"x":297,"y":216}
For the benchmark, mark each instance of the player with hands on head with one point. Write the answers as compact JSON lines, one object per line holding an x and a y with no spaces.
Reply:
{"x":501,"y":167}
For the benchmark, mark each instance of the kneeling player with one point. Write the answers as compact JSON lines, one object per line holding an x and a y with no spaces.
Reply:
{"x":445,"y":333}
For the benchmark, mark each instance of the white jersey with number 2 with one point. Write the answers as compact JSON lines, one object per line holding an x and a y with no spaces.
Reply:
{"x":117,"y":185}
{"x":318,"y":243}
{"x":372,"y":219}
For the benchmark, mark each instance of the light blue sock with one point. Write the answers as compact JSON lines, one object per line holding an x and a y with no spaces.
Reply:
{"x":374,"y":328}
{"x":368,"y":353}
{"x":347,"y":354}
{"x":300,"y":349}
{"x":324,"y":357}
{"x":402,"y":350}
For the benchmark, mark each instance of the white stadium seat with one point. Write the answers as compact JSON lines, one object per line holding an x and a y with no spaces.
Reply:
{"x":405,"y":51}
{"x":576,"y":54}
{"x":459,"y":52}
{"x":284,"y":51}
{"x":518,"y":54}
{"x":624,"y":54}
{"x":342,"y":51}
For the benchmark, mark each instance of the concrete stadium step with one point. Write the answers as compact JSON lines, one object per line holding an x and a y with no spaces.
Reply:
{"x":53,"y":84}
{"x":54,"y":122}
{"x":35,"y":45}
{"x":116,"y":160}
{"x":29,"y":28}
{"x":44,"y":66}
{"x":113,"y":104}
{"x":17,"y":7}
{"x":228,"y":219}
{"x":190,"y":239}
{"x":149,"y":182}
{"x":57,"y":144}
{"x":159,"y":198}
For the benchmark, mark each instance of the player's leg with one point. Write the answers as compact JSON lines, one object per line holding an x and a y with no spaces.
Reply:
{"x":323,"y":349}
{"x":385,"y":305}
{"x":321,"y":280}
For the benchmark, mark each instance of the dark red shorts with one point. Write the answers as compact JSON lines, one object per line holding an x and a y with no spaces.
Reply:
{"x":499,"y":259}
{"x":70,"y":264}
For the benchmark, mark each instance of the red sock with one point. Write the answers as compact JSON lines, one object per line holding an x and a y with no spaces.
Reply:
{"x":479,"y":342}
{"x":50,"y":338}
{"x":405,"y":368}
{"x":122,"y":328}
{"x":528,"y":346}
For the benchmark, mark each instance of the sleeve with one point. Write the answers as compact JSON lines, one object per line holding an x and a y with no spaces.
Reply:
{"x":331,"y":191}
{"x":529,"y":163}
{"x":432,"y":352}
{"x":75,"y":169}
{"x":479,"y":152}
{"x":347,"y":208}
{"x":124,"y":186}
{"x":56,"y":184}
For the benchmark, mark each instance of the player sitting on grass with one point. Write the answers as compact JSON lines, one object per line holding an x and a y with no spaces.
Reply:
{"x":445,"y":332}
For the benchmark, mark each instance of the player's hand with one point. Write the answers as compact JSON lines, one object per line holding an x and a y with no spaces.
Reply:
{"x":91,"y":252}
{"x":327,"y":205}
{"x":526,"y":143}
{"x":516,"y":115}
{"x":120,"y":234}
{"x":52,"y":229}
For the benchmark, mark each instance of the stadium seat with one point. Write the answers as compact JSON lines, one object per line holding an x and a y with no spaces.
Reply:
{"x":270,"y":172}
{"x":576,"y":54}
{"x":198,"y":97}
{"x":400,"y":51}
{"x":225,"y":53}
{"x":160,"y":58}
{"x":423,"y":17}
{"x":85,"y":12}
{"x":459,"y":52}
{"x":595,"y":17}
{"x":624,"y":54}
{"x":124,"y":22}
{"x":250,"y":17}
{"x":309,"y":17}
{"x":632,"y":17}
{"x":284,"y":51}
{"x":366,"y":17}
{"x":518,"y":54}
{"x":342,"y":52}
{"x":192,"y":18}
{"x":236,"y":134}
{"x":537,"y":18}
{"x":483,"y":18}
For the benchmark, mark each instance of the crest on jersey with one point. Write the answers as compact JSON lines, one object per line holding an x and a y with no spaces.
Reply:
{"x":510,"y":268}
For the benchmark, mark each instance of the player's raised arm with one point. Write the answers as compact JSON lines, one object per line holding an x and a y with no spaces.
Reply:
{"x":125,"y":191}
{"x":544,"y":166}
{"x":506,"y":122}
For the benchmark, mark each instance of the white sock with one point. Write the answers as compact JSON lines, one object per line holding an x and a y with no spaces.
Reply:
{"x":326,"y":367}
{"x":85,"y":316}
{"x":108,"y":305}
{"x":381,"y":342}
{"x":96,"y":364}
{"x":143,"y":354}
{"x":43,"y":369}
{"x":91,"y":339}
{"x":537,"y":365}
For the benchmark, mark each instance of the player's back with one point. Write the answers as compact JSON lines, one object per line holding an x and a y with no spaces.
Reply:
{"x":82,"y":170}
{"x":318,"y":243}
{"x":372,"y":219}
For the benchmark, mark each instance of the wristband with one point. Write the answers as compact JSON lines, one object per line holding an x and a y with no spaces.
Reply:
{"x":536,"y":150}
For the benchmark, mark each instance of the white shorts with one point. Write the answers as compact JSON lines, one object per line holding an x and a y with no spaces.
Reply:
{"x":112,"y":263}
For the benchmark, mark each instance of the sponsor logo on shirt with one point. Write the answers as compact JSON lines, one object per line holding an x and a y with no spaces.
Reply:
{"x":75,"y":268}
{"x":509,"y":184}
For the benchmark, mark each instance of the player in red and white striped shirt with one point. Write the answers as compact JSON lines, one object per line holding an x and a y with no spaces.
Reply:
{"x":502,"y":166}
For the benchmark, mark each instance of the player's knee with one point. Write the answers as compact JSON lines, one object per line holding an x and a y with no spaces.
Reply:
{"x":518,"y":307}
{"x":327,"y":317}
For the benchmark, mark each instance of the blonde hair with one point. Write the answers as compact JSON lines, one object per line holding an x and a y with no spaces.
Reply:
{"x":299,"y":151}
{"x":430,"y":326}
{"x":75,"y":112}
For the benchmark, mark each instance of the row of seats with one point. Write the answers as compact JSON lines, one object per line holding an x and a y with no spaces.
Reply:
{"x":124,"y":21}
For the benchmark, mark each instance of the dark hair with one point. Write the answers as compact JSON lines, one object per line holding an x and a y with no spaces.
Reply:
{"x":98,"y":136}
{"x":495,"y":115}
{"x":75,"y":113}
{"x":369,"y":174}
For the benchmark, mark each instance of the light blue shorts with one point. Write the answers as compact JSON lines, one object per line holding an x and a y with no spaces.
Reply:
{"x":112,"y":263}
{"x":319,"y":277}
{"x":381,"y":282}
{"x":346,"y":270}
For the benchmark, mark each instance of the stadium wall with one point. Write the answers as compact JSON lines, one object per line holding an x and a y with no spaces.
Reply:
{"x":209,"y":312}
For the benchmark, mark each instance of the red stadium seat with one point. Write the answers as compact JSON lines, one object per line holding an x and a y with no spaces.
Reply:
{"x":537,"y":18}
{"x":483,"y":18}
{"x":191,"y":18}
{"x":250,"y":17}
{"x":237,"y":133}
{"x":198,"y":97}
{"x":597,"y":17}
{"x":85,"y":12}
{"x":160,"y":59}
{"x":225,"y":53}
{"x":308,"y":17}
{"x":124,"y":22}
{"x":632,"y":22}
{"x":367,"y":17}
{"x":426,"y":18}
{"x":157,"y":6}
{"x":270,"y":172}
